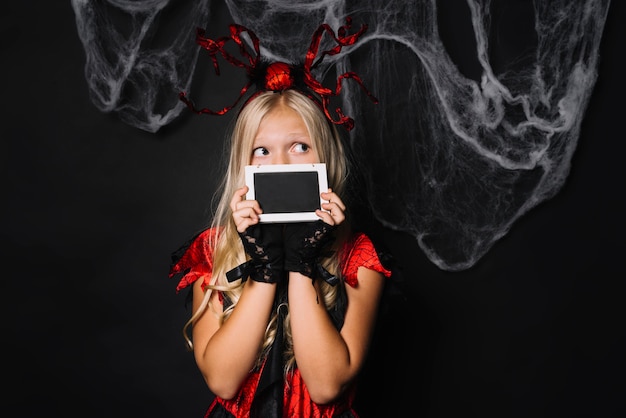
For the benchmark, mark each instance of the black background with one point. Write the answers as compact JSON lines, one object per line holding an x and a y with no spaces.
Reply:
{"x":91,"y":326}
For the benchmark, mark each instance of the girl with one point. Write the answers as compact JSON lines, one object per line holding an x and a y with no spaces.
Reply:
{"x":283,"y":314}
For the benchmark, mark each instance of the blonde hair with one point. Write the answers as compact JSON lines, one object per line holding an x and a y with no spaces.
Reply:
{"x":227,"y":249}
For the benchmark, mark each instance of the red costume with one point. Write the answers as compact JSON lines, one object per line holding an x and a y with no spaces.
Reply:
{"x":194,"y":261}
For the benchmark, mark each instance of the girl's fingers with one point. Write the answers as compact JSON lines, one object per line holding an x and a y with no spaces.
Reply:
{"x":245,"y":212}
{"x":333,"y":198}
{"x":238,"y":197}
{"x":245,"y":217}
{"x":333,"y":213}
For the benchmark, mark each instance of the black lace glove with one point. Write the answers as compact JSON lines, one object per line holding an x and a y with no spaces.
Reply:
{"x":264,"y":244}
{"x":305,"y":244}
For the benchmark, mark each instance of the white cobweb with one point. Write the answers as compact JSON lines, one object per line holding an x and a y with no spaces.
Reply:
{"x":452,"y":158}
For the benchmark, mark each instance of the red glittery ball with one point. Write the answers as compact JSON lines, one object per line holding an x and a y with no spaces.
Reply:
{"x":278,"y":77}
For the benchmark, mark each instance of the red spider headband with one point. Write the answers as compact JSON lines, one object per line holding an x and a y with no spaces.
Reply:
{"x":279,"y":76}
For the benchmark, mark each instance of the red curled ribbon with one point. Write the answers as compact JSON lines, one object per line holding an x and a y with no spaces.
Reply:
{"x":280,"y":76}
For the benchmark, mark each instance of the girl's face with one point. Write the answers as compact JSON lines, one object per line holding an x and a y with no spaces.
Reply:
{"x":282,"y":138}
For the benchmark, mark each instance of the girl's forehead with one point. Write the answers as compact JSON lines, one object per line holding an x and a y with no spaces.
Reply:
{"x":282,"y":121}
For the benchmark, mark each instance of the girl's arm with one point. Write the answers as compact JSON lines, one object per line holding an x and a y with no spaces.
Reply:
{"x":226,"y":354}
{"x":329,"y":359}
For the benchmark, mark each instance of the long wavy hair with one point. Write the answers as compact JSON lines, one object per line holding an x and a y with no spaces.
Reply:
{"x":227,"y":248}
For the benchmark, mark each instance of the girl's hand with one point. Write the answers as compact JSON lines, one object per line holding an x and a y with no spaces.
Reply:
{"x":245,"y":212}
{"x":304,"y":244}
{"x":333,"y":213}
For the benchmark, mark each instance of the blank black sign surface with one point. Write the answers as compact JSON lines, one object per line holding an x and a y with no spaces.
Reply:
{"x":287,"y":192}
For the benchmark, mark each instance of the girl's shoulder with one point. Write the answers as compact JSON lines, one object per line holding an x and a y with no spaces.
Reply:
{"x":359,"y":251}
{"x":194,"y":259}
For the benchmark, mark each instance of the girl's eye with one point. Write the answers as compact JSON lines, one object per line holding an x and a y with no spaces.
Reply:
{"x":300,"y":147}
{"x":259,"y":152}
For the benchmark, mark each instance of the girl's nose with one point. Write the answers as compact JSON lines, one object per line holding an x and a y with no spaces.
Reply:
{"x":280,"y":158}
